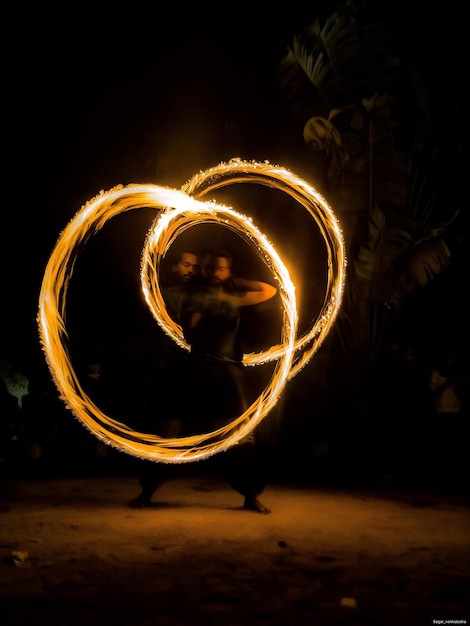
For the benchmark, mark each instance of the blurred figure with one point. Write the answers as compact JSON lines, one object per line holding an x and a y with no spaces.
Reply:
{"x":444,"y":385}
{"x":211,"y":326}
{"x":167,"y":417}
{"x":448,"y":432}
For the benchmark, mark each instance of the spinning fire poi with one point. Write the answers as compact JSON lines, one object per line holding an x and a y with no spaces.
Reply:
{"x":188,"y":209}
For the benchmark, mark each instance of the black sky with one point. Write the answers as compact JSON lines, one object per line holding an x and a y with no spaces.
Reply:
{"x":99,"y":100}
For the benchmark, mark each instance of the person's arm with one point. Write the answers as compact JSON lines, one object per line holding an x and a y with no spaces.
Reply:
{"x":194,"y":319}
{"x":255,"y":291}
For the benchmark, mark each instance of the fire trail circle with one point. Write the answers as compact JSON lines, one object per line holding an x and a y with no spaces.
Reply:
{"x":177,"y":210}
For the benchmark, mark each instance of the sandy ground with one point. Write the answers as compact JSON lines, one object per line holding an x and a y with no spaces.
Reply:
{"x":73,"y":553}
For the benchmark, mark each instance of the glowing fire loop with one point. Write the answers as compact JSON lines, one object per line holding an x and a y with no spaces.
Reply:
{"x":187,"y":209}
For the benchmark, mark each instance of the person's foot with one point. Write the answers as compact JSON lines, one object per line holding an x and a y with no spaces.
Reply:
{"x":253,"y":504}
{"x":139,"y":503}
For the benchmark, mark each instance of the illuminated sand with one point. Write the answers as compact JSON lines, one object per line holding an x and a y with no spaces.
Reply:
{"x":197,"y":558}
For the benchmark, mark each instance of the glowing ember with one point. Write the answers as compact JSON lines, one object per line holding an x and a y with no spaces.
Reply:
{"x":171,"y":222}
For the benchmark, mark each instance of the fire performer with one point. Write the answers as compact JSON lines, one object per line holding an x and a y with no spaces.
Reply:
{"x":220,"y":394}
{"x":171,"y":366}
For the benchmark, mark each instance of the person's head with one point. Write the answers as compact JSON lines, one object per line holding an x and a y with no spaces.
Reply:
{"x":186,"y":266}
{"x":220,"y":268}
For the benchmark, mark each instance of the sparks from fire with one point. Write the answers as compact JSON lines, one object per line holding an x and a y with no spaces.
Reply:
{"x":178,"y":210}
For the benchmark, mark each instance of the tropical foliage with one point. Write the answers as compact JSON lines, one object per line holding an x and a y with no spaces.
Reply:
{"x":368,"y":114}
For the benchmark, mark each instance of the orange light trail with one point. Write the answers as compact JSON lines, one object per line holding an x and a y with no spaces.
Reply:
{"x":239,"y":171}
{"x":171,"y":222}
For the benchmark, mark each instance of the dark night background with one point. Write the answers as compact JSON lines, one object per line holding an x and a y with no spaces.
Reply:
{"x":98,"y":101}
{"x":369,"y":487}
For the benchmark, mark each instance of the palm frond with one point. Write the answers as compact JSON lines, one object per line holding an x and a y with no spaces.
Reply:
{"x":419,"y":266}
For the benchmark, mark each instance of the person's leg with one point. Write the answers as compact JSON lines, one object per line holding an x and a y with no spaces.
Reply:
{"x":153,"y":474}
{"x":245,"y":471}
{"x":243,"y":465}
